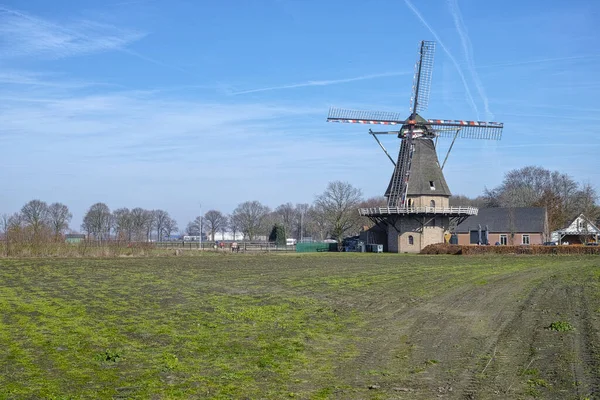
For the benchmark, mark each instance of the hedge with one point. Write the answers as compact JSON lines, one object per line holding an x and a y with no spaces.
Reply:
{"x":533,"y":249}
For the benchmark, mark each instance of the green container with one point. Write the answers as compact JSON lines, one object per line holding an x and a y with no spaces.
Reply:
{"x":315,"y":247}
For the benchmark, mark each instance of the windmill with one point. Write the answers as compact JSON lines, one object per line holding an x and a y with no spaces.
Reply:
{"x":417,"y":194}
{"x":416,"y":132}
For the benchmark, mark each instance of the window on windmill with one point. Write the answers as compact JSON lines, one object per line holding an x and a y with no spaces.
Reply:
{"x":431,"y":185}
{"x":411,"y":240}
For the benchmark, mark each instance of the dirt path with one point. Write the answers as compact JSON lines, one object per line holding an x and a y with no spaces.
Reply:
{"x":478,"y":342}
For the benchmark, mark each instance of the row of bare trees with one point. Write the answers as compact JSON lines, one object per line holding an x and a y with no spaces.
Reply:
{"x":136,"y":224}
{"x":332,"y":215}
{"x":37,"y":221}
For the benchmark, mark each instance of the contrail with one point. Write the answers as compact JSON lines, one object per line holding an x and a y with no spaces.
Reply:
{"x":437,"y":38}
{"x":539,"y":61}
{"x":323,"y":82}
{"x":468,"y":50}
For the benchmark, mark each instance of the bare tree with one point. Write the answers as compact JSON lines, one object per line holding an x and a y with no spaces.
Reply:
{"x":286,"y":215}
{"x":169,"y":226}
{"x":224,"y":227}
{"x":530,"y":186}
{"x":4,"y":227}
{"x":301,"y":220}
{"x":192,"y":229}
{"x":215,"y":220}
{"x":4,"y":224}
{"x":35,"y":214}
{"x":317,"y":223}
{"x":462,"y":200}
{"x":142,"y":223}
{"x":196,"y":227}
{"x":234,"y":225}
{"x":251,"y":216}
{"x":372,"y":202}
{"x":149,"y":223}
{"x":160,"y":218}
{"x":123,"y":224}
{"x":585,"y":202}
{"x":15,"y":221}
{"x":338,"y":205}
{"x":59,"y":217}
{"x":98,"y":221}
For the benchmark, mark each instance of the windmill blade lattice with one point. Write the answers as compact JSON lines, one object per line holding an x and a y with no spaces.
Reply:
{"x":365,"y":117}
{"x":419,"y":99}
{"x":468,"y":129}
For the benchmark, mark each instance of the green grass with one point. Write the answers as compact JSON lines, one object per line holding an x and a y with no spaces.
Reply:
{"x":214,"y":326}
{"x":561,"y":326}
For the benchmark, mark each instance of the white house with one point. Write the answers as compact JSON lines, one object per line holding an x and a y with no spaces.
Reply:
{"x":582,"y":230}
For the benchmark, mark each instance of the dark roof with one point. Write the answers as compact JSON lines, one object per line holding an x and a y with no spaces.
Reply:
{"x":498,"y":219}
{"x":425,"y":168}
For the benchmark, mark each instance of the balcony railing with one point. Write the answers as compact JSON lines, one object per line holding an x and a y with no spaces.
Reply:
{"x":418,"y":210}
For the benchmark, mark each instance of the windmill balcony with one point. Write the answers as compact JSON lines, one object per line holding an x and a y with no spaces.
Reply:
{"x":450,"y":211}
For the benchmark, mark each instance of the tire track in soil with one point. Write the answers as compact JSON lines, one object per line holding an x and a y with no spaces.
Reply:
{"x":506,"y":348}
{"x":483,"y":343}
{"x":585,"y":372}
{"x":452,"y":329}
{"x":540,"y":362}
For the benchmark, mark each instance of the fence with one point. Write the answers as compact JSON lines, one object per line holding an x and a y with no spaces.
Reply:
{"x":316,"y":247}
{"x":107,"y":248}
{"x":242,"y":246}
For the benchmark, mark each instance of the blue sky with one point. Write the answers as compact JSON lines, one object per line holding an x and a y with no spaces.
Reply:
{"x":175,"y":104}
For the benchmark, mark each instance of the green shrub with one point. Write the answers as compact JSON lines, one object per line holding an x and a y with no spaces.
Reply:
{"x":561,"y":326}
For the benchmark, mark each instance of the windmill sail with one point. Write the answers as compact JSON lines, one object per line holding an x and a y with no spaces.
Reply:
{"x":419,"y":99}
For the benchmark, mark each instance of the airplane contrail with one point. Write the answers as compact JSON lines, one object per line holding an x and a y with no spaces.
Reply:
{"x":323,"y":82}
{"x":539,"y":61}
{"x":468,"y":50}
{"x":458,"y":69}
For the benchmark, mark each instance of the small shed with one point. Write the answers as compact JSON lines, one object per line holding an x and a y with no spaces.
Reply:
{"x":581,"y":231}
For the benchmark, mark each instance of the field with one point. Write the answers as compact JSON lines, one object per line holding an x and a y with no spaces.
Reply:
{"x":308,"y":326}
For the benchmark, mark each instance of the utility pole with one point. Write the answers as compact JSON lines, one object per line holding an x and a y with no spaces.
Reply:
{"x":200,"y":236}
{"x":301,"y":222}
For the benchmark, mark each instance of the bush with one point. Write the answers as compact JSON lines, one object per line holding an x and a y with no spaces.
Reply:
{"x":442,"y":248}
{"x":561,"y":326}
{"x":58,"y":248}
{"x":532,"y":249}
{"x":278,"y":235}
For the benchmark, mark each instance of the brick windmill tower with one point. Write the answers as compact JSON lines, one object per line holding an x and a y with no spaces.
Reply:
{"x":418,"y":212}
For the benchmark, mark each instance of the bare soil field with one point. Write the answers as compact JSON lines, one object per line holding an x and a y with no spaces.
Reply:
{"x":308,"y":326}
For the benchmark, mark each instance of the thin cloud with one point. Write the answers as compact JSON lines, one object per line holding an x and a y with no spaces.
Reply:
{"x":458,"y":69}
{"x":468,"y":50}
{"x":15,"y":78}
{"x":24,"y":35}
{"x":322,"y":83}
